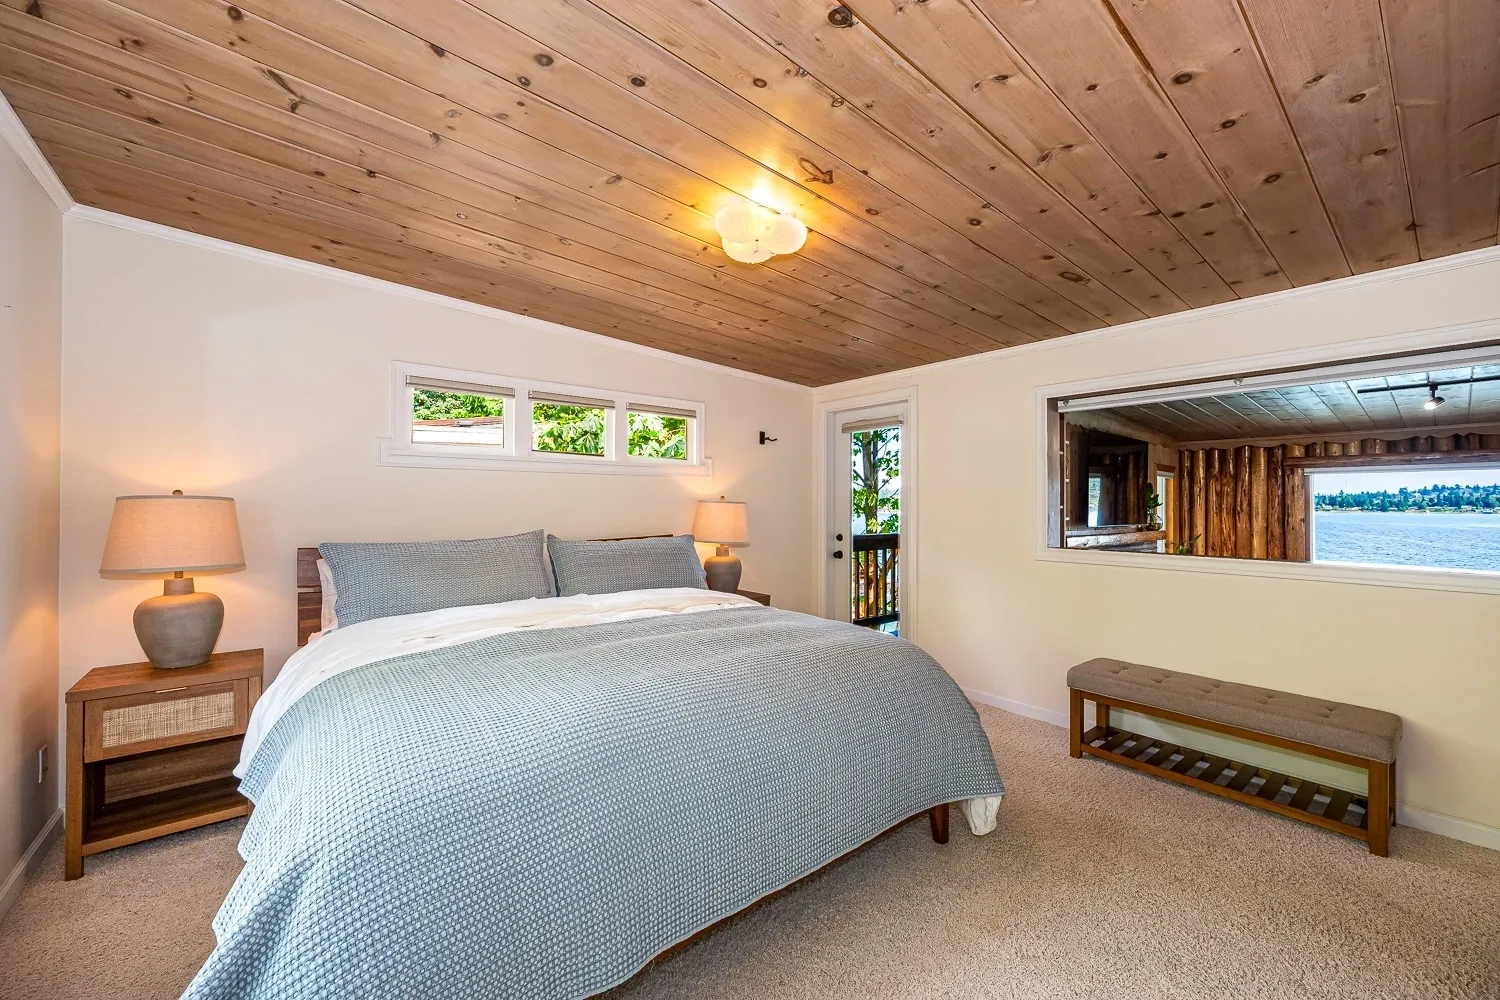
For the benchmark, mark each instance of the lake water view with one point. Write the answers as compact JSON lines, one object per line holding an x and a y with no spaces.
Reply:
{"x":1454,"y":540}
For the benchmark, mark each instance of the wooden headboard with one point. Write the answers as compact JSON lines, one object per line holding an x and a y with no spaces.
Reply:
{"x":309,"y":595}
{"x":310,"y":589}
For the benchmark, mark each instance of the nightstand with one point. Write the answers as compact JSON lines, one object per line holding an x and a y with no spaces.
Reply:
{"x":762,"y":598}
{"x":150,"y":751}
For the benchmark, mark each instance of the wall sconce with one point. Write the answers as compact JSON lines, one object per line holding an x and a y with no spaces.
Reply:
{"x":752,"y":234}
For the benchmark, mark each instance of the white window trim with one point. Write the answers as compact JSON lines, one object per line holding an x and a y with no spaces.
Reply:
{"x":516,"y":455}
{"x":1406,"y":577}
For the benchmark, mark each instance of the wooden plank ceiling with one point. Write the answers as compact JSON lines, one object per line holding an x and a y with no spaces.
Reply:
{"x":974,"y":173}
{"x":1330,"y":408}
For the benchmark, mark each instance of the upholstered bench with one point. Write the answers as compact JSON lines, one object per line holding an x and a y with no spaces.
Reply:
{"x":1361,"y":737}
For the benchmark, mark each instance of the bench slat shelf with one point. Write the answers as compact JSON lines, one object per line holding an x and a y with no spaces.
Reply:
{"x":1307,"y":795}
{"x":1347,"y":734}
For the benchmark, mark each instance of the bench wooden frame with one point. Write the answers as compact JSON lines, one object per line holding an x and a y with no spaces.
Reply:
{"x":1368,"y":818}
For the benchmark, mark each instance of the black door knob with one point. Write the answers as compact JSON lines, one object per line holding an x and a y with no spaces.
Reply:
{"x":838,"y":553}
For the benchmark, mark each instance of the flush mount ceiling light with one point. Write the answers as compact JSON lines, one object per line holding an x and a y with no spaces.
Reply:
{"x":1433,"y":399}
{"x":752,"y":234}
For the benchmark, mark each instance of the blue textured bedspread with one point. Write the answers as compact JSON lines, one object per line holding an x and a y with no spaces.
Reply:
{"x":537,"y":814}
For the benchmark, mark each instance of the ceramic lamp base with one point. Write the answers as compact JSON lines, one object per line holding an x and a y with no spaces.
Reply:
{"x":723,"y":571}
{"x":181,"y":627}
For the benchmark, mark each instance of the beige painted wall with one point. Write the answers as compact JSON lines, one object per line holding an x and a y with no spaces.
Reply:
{"x":1006,"y":623}
{"x":195,"y":369}
{"x":30,"y":338}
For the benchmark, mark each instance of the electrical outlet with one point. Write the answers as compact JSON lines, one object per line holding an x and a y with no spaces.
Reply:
{"x":41,"y":765}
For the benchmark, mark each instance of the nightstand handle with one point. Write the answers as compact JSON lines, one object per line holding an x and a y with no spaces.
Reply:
{"x":170,"y":690}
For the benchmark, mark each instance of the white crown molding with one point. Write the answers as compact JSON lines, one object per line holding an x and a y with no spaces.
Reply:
{"x":85,"y":213}
{"x":1406,"y":815}
{"x":1458,"y":261}
{"x":20,"y":141}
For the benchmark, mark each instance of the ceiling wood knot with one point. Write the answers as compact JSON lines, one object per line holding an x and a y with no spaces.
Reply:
{"x":1228,"y":123}
{"x":543,"y":59}
{"x":1092,"y":87}
{"x":758,"y":82}
{"x":815,"y":173}
{"x":976,"y":222}
{"x":637,"y":81}
{"x":34,"y":8}
{"x":1073,"y":276}
{"x":1272,"y":178}
{"x":524,"y":81}
{"x":235,"y":14}
{"x":1183,"y":77}
{"x":841,"y":17}
{"x":1355,"y":99}
{"x":437,"y":49}
{"x":838,"y":102}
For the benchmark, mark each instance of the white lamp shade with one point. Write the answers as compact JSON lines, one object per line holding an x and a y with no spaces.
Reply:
{"x":786,"y":235}
{"x":741,"y":222}
{"x":754,"y":252}
{"x":752,"y":234}
{"x":169,"y":534}
{"x":722,"y":522}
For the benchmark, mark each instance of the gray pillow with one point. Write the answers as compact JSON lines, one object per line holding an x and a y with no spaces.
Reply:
{"x":633,"y":564}
{"x":381,"y":579}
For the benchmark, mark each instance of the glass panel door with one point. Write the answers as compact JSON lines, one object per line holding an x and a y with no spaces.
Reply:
{"x":865,"y":506}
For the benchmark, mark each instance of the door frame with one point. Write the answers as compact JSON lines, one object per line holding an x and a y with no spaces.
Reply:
{"x":825,"y":426}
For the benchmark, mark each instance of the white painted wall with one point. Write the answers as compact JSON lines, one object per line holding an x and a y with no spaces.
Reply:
{"x":193,"y":368}
{"x":1004,"y":622}
{"x":30,"y":339}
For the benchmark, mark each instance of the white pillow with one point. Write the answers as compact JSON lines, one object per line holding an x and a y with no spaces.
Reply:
{"x":330,"y":597}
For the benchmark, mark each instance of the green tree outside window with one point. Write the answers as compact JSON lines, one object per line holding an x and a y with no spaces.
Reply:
{"x":655,"y":435}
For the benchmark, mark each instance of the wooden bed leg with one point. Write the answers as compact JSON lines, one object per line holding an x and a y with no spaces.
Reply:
{"x":937,"y":818}
{"x":1378,"y":816}
{"x":1075,"y":728}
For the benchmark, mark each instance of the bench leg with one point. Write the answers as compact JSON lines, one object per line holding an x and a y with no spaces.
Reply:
{"x":1075,"y":727}
{"x":1393,"y":793}
{"x":1101,"y":714}
{"x":1378,"y":819}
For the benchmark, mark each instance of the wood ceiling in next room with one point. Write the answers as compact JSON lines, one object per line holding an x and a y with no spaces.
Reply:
{"x":974,"y":173}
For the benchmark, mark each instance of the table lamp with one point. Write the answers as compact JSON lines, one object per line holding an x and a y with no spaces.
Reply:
{"x":723,"y":523}
{"x":177,"y":534}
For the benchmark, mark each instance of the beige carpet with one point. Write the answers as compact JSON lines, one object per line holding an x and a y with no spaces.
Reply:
{"x":1099,"y":883}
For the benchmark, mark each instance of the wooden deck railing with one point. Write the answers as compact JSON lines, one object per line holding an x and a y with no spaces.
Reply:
{"x":876,"y":589}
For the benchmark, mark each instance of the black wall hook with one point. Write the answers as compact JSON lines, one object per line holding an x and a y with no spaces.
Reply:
{"x":764,"y":437}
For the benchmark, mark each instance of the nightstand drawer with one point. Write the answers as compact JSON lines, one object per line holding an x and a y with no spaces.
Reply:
{"x":114,"y":727}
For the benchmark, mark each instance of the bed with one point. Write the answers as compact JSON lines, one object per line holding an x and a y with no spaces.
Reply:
{"x":534,"y":798}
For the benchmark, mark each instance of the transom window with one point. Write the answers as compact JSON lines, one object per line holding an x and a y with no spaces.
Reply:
{"x":456,"y":419}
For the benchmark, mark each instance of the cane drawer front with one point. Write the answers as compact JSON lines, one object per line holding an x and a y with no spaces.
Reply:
{"x":115,"y":727}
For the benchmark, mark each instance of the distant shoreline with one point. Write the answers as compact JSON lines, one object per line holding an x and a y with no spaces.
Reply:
{"x":1409,"y":510}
